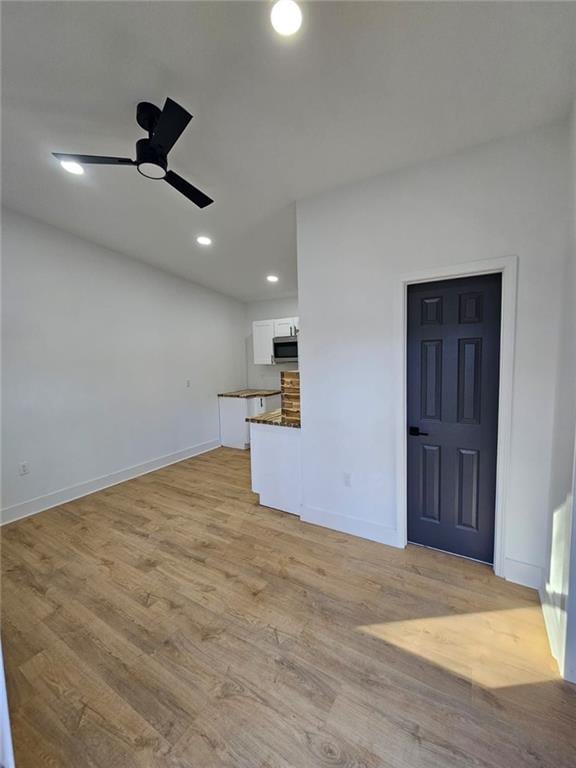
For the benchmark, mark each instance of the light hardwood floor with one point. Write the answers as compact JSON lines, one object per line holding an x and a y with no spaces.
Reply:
{"x":171,"y":622}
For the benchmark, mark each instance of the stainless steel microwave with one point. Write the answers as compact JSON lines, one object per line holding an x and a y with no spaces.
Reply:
{"x":285,"y":349}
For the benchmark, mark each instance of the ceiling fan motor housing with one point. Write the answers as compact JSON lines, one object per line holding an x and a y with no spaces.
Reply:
{"x":151,"y":163}
{"x":147,"y":116}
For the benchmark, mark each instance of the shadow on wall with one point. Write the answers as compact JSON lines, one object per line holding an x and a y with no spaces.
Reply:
{"x":557,"y":578}
{"x":558,"y":571}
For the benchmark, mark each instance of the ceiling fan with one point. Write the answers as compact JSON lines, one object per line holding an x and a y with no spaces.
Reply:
{"x":164,"y":128}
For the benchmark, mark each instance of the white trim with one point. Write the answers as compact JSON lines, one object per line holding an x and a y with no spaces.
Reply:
{"x":6,"y":749}
{"x":527,"y":574}
{"x":365,"y":529}
{"x":508,"y":267}
{"x":64,"y":495}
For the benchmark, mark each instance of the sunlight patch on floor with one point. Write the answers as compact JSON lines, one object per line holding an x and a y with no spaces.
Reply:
{"x":494,"y":649}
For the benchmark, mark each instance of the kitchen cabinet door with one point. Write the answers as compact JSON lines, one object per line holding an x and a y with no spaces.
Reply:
{"x":262,"y":335}
{"x":258,"y":405}
{"x":284,"y":326}
{"x":234,"y":431}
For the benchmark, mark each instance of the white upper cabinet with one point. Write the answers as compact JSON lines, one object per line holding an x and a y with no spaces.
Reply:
{"x":262,"y":335}
{"x":264,"y":331}
{"x":284,"y":326}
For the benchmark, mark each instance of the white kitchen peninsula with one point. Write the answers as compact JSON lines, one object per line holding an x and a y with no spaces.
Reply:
{"x":275,"y":461}
{"x":275,"y":449}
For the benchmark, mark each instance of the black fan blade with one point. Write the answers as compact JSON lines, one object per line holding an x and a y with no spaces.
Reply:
{"x":188,"y":190}
{"x":94,"y":159}
{"x":170,"y":126}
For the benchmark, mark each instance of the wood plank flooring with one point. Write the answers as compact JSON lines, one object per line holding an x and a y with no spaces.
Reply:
{"x":171,"y":622}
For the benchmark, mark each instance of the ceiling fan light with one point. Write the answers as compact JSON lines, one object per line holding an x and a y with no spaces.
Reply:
{"x":72,"y":167}
{"x":151,"y":170}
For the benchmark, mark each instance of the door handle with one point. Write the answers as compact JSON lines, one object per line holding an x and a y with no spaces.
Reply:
{"x":415,"y":432}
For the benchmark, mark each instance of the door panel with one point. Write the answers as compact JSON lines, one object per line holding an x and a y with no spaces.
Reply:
{"x":453,"y":363}
{"x":468,"y":481}
{"x":431,"y":373}
{"x":469,"y":380}
{"x":430,"y":482}
{"x":284,"y":326}
{"x":262,"y":335}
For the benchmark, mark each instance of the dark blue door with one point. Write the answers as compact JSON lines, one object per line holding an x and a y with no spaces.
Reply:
{"x":453,"y":378}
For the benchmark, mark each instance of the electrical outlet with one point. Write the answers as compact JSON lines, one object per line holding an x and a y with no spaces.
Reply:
{"x":347,"y":478}
{"x":24,"y":468}
{"x":188,"y":383}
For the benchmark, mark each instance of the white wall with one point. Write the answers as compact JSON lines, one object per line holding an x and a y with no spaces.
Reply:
{"x":97,"y":350}
{"x":267,"y":376}
{"x":570,"y":655}
{"x":558,"y":595}
{"x":506,"y":197}
{"x":555,"y":593}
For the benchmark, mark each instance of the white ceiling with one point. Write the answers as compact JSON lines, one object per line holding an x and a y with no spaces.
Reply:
{"x":363,"y":88}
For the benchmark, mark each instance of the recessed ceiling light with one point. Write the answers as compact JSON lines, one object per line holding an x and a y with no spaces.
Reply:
{"x":272,"y":278}
{"x":204,"y":240}
{"x":72,"y":167}
{"x":286,"y":17}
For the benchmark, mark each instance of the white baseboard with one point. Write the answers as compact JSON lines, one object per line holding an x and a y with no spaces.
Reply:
{"x":366,"y":529}
{"x":64,"y":495}
{"x":526,"y":574}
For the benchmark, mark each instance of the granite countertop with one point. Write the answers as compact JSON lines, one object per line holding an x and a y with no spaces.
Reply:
{"x":247,"y":393}
{"x":275,"y":419}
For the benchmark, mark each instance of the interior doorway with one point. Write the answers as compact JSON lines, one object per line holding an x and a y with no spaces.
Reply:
{"x":453,"y":364}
